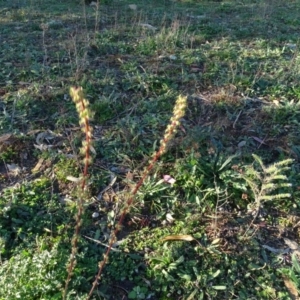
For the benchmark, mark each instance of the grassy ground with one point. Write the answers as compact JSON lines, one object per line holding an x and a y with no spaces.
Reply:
{"x":235,"y":216}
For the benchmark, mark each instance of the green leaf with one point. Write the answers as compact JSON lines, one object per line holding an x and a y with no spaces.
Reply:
{"x":227,"y":162}
{"x":219,"y":287}
{"x":296,"y":264}
{"x":179,"y":237}
{"x":186,"y":277}
{"x":215,"y":242}
{"x":253,"y":267}
{"x":135,"y":256}
{"x":216,"y":274}
{"x":192,"y":295}
{"x":97,"y":234}
{"x":180,"y":260}
{"x":132,"y":295}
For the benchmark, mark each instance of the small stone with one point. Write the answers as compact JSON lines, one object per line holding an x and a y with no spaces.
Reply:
{"x":95,"y":215}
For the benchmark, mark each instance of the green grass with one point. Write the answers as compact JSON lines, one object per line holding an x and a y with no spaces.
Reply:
{"x":237,"y":62}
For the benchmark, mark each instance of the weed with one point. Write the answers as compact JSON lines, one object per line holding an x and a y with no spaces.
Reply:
{"x":178,"y":113}
{"x":264,"y":183}
{"x":84,"y":121}
{"x":198,"y":225}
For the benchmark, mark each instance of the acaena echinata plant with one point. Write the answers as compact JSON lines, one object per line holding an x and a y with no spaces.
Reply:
{"x":82,"y":107}
{"x":178,"y":113}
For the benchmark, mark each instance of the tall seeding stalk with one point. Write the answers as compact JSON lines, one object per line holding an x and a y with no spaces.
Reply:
{"x":84,"y":117}
{"x":84,"y":121}
{"x":178,"y":113}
